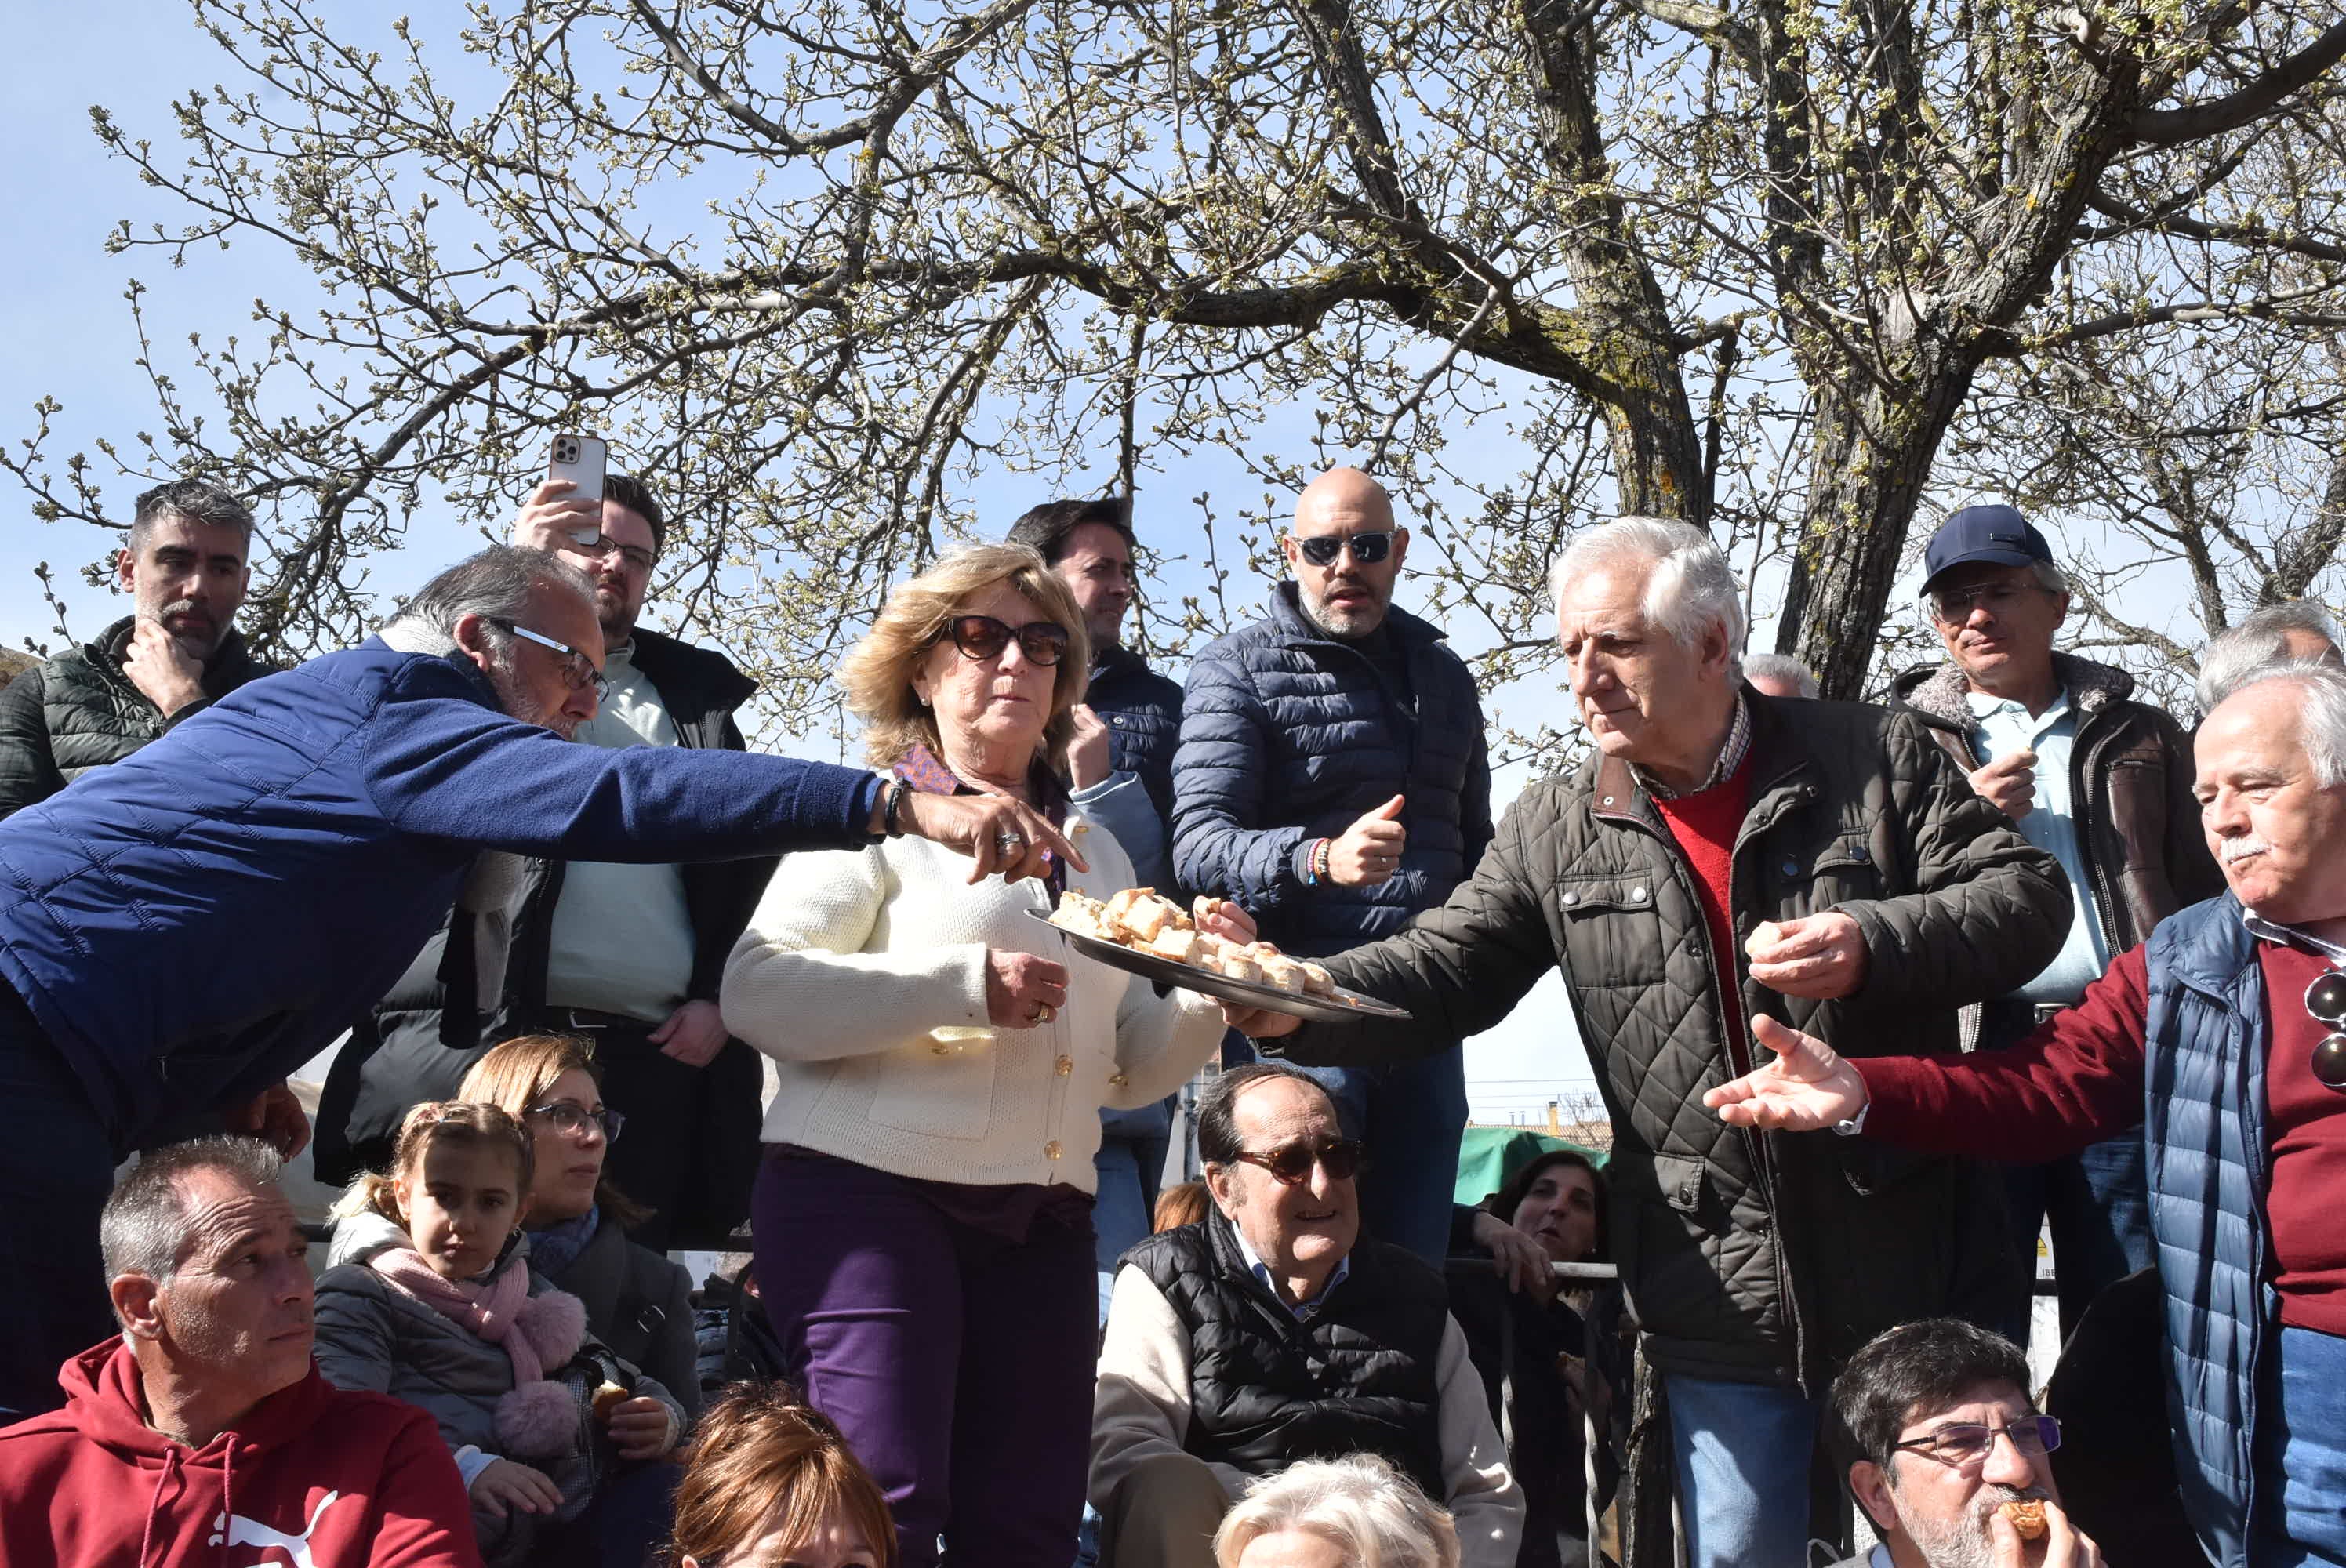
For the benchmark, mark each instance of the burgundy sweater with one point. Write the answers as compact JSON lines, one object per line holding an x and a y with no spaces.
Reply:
{"x":2079,"y":1079}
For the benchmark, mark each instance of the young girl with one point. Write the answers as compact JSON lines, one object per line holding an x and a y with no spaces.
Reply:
{"x":429,"y":1297}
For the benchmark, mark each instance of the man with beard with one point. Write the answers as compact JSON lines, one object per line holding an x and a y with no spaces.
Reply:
{"x":1946,"y":1437}
{"x":186,"y":568}
{"x":1334,"y":778}
{"x":184,"y":928}
{"x":627,"y":955}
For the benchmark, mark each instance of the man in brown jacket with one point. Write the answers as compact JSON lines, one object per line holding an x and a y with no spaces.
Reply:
{"x":2101,"y":783}
{"x":1724,"y":855}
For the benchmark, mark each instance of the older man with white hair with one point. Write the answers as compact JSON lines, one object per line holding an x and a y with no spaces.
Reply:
{"x":1727,"y":856}
{"x":2297,"y":631}
{"x":2220,"y":1038}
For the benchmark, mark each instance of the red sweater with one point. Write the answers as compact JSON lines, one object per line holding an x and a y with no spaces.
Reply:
{"x":312,"y":1476}
{"x":1703,"y":825}
{"x":2080,"y":1078}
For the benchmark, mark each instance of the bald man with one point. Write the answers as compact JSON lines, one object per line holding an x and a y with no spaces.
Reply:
{"x":1332,"y":778}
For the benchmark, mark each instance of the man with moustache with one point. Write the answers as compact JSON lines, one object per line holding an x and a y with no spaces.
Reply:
{"x":2220,"y":1040}
{"x":628,"y":956}
{"x":1944,"y":1435}
{"x":1334,"y":779}
{"x":202,"y":1432}
{"x":179,"y":931}
{"x":186,"y":566}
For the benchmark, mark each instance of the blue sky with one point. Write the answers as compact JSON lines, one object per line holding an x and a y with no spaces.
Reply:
{"x":70,"y":335}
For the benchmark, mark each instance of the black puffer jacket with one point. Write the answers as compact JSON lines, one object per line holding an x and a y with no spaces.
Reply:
{"x":1738,"y":1265}
{"x":1143,"y":710}
{"x":1357,"y":1376}
{"x":2131,"y":774}
{"x":79,"y":711}
{"x":427,"y":1033}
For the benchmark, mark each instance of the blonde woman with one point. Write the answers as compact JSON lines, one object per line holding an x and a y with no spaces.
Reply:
{"x":923,"y":1212}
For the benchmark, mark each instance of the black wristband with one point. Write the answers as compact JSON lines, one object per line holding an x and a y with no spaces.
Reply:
{"x":888,"y":822}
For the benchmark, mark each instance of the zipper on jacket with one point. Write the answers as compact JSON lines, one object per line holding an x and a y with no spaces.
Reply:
{"x":2085,"y":764}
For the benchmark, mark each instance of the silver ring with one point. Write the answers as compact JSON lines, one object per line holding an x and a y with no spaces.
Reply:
{"x":1009,"y":843}
{"x":1044,"y":1013}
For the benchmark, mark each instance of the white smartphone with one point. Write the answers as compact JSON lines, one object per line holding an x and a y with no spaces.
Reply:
{"x":580,"y":458}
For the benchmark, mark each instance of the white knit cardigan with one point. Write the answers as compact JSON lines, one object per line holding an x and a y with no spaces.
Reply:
{"x":855,"y":956}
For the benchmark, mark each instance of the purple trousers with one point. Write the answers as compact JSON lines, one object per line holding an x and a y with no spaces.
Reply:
{"x":956,"y":1358}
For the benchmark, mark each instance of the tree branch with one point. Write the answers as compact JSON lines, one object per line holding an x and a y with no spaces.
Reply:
{"x":2195,"y":122}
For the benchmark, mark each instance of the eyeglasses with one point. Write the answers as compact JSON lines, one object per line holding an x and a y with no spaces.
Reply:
{"x":1963,"y":1443}
{"x":2325,"y":999}
{"x":578,"y":669}
{"x":594,"y":543}
{"x":1290,"y":1165}
{"x":1368,"y":549}
{"x":569,"y":1116}
{"x":1954,"y":606}
{"x":982,"y":637}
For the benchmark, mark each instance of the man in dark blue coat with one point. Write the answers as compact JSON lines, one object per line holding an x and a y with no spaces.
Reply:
{"x":1334,"y":779}
{"x":1128,"y":722}
{"x":179,"y":931}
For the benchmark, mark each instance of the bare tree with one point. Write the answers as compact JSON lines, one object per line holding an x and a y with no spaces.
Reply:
{"x":812,"y":263}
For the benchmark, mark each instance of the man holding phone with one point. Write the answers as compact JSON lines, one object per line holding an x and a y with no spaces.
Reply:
{"x":628,"y":956}
{"x":2100,"y":782}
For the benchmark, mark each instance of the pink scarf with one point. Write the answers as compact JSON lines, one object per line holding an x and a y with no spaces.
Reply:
{"x":535,"y":1416}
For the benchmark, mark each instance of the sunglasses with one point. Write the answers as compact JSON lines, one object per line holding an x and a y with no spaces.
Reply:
{"x":1368,"y":549}
{"x":564,"y":1117}
{"x":2325,"y":999}
{"x":578,"y":669}
{"x":1961,"y":1442}
{"x":982,"y":637}
{"x":1290,"y":1165}
{"x":1954,"y":606}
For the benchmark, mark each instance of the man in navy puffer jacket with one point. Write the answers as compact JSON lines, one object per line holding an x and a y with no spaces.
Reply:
{"x":179,"y":931}
{"x":1334,"y":778}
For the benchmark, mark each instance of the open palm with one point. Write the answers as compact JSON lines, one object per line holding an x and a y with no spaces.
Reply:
{"x":1805,"y":1087}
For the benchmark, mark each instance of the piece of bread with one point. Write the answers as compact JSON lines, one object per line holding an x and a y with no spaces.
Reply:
{"x":1317,"y":981}
{"x":1280,"y":970}
{"x":609,"y":1397}
{"x":1180,"y":946}
{"x":2027,"y":1516}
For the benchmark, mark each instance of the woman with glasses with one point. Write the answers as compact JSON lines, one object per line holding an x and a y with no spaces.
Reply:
{"x":924,"y":1213}
{"x":636,"y":1301}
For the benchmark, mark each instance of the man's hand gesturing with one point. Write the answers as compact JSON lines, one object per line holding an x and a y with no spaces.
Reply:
{"x":997,"y":833}
{"x":1820,"y":956}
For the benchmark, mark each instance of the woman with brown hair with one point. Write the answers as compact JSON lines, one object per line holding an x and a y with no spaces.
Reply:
{"x":923,"y":1213}
{"x":638,"y":1302}
{"x":770,"y":1481}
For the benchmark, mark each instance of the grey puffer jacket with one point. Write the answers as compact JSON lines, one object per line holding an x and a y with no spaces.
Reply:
{"x":373,"y":1335}
{"x":78,"y":711}
{"x":1757,"y":1258}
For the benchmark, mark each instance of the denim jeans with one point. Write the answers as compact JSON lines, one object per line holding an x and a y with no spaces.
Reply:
{"x":1409,"y":1116}
{"x":2301,"y":1451}
{"x":2095,"y":1201}
{"x":1742,"y":1455}
{"x":56,"y":1166}
{"x":1128,"y":1164}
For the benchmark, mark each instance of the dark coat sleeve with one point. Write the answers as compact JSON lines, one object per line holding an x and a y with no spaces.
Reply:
{"x":28,"y":771}
{"x":1219,"y":777}
{"x":1459,"y":969}
{"x":1988,"y":908}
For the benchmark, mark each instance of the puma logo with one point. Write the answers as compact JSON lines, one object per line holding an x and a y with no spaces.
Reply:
{"x":238,"y":1531}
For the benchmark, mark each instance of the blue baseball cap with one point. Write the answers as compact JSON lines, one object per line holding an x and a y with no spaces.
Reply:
{"x":1997,"y":534}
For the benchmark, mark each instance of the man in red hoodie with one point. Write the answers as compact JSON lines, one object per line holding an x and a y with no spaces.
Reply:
{"x":202,"y":1434}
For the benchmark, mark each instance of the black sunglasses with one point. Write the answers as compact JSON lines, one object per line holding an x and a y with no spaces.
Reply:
{"x":1290,"y":1164}
{"x":982,"y":638}
{"x":1960,"y":1443}
{"x":1368,"y":549}
{"x":2325,"y":999}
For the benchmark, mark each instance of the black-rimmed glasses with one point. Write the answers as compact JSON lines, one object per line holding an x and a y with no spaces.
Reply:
{"x":594,"y":544}
{"x":1290,"y":1165}
{"x":2325,"y":999}
{"x":1963,"y":1443}
{"x":1368,"y":549}
{"x":578,"y":669}
{"x":982,"y":637}
{"x":569,"y":1116}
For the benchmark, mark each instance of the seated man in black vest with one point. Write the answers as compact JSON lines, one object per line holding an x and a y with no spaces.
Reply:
{"x":1276,"y":1332}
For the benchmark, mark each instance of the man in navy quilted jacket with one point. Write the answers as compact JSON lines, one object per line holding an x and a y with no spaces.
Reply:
{"x":1334,"y":779}
{"x":180,"y":929}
